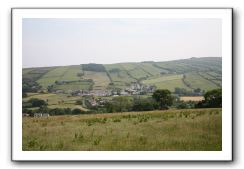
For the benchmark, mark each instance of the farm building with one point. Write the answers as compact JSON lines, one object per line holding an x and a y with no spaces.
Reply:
{"x":41,"y":115}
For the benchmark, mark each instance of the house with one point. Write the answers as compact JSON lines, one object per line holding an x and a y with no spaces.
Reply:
{"x":41,"y":115}
{"x":59,"y":91}
{"x":25,"y":115}
{"x":45,"y":115}
{"x":37,"y":114}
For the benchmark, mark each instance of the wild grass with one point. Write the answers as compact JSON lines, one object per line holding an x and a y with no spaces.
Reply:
{"x":171,"y":130}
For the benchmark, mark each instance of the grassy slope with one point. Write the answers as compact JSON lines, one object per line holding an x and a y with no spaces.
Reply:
{"x":197,"y":81}
{"x":53,"y":75}
{"x":71,"y":73}
{"x":100,"y":79}
{"x":169,"y":82}
{"x":134,"y":72}
{"x":157,"y":130}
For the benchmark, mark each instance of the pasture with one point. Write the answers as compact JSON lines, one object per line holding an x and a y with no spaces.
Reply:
{"x":170,"y":130}
{"x":197,"y":81}
{"x":57,"y":100}
{"x":203,"y":73}
{"x":51,"y":76}
{"x":169,"y":82}
{"x":100,"y":79}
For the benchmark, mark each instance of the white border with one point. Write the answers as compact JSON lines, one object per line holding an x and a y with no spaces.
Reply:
{"x":18,"y":155}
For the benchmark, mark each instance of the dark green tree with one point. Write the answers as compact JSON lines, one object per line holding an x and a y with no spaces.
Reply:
{"x":213,"y":98}
{"x":163,"y":97}
{"x":77,"y":111}
{"x":37,"y":102}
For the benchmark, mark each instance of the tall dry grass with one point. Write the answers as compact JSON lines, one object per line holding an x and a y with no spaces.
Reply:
{"x":174,"y":130}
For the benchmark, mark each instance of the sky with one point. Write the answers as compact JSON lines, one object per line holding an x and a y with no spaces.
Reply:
{"x":57,"y":41}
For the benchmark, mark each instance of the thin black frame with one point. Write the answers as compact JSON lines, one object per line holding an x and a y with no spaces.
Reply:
{"x":126,"y":161}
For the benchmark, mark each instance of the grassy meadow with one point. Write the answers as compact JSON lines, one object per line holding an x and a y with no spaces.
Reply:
{"x":168,"y":130}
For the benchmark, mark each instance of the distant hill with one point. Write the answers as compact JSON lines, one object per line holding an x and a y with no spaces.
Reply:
{"x":203,"y":73}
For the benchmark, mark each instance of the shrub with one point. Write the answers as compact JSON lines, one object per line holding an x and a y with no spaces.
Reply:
{"x":77,"y":111}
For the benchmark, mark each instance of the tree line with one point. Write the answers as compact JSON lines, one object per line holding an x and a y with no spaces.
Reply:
{"x":160,"y":100}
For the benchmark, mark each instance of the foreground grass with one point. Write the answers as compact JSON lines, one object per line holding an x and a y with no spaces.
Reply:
{"x":180,"y":130}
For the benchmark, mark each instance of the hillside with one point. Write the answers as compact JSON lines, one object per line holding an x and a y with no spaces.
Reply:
{"x":190,"y":74}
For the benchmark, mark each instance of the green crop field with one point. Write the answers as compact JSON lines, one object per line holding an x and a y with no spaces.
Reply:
{"x":181,"y":130}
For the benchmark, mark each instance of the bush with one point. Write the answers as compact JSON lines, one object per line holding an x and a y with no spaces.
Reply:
{"x":37,"y":102}
{"x":77,"y":111}
{"x":144,"y":105}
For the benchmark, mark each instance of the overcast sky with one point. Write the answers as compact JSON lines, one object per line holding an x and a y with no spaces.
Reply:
{"x":53,"y":42}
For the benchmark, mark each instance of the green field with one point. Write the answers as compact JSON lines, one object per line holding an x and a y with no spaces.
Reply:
{"x":74,"y":86}
{"x":203,"y":73}
{"x":100,"y":79}
{"x":169,"y":82}
{"x":53,"y":75}
{"x":197,"y":81}
{"x":181,"y":130}
{"x":57,"y":100}
{"x":71,"y":73}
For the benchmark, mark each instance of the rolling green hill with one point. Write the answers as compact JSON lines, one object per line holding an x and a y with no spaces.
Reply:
{"x":203,"y":73}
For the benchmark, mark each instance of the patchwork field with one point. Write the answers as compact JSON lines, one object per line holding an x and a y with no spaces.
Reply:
{"x":182,"y":130}
{"x":190,"y":74}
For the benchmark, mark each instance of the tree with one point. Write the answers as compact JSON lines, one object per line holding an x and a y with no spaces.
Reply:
{"x":213,"y":98}
{"x":198,"y":90}
{"x":37,"y":102}
{"x":122,"y":103}
{"x":43,"y":109}
{"x":80,"y":74}
{"x":163,"y":97}
{"x":143,"y":104}
{"x":77,"y":111}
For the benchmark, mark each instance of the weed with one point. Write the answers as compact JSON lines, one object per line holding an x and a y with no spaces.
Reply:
{"x":97,"y":140}
{"x":142,"y":140}
{"x":32,"y":143}
{"x":44,"y":124}
{"x":117,"y":120}
{"x":60,"y":146}
{"x":128,"y":135}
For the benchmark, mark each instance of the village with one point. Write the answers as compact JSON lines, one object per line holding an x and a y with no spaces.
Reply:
{"x":134,"y":89}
